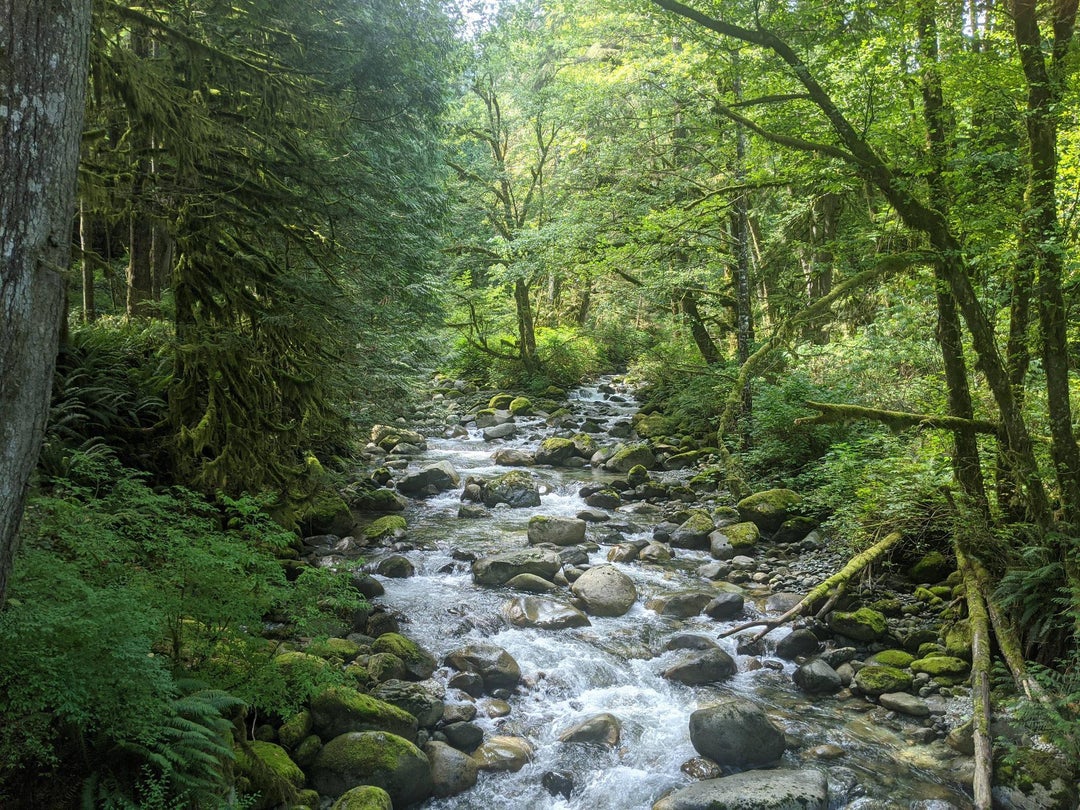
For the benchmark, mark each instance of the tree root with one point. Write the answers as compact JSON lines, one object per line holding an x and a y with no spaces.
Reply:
{"x":837,"y":580}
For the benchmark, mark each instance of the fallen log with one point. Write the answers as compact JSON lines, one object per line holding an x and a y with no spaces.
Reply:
{"x":839,"y":579}
{"x":980,"y":682}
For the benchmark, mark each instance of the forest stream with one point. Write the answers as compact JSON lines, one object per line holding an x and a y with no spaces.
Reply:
{"x":873,"y":758}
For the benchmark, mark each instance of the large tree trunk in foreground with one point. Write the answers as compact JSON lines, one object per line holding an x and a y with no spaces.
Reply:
{"x":43,"y":64}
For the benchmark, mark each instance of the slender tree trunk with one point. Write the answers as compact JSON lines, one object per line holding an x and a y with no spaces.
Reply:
{"x":526,"y":329}
{"x":140,"y":229}
{"x":740,"y":230}
{"x":86,"y":235}
{"x":43,"y":76}
{"x":702,"y":339}
{"x":824,"y":219}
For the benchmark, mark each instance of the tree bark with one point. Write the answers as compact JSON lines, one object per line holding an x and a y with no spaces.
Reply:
{"x":89,"y":311}
{"x":43,"y":74}
{"x":140,"y":269}
{"x":702,"y":339}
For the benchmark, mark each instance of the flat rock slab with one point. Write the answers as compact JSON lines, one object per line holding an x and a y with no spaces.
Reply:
{"x":545,"y":614}
{"x":753,"y":790}
{"x":904,"y":703}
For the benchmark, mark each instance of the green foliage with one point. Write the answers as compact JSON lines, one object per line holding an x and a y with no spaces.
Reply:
{"x":1058,"y":719}
{"x":1035,"y":587}
{"x":157,"y":584}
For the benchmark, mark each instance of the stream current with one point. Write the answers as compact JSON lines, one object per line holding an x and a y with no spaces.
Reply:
{"x":614,"y":665}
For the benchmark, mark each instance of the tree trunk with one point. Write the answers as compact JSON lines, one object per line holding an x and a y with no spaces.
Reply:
{"x":89,"y":313}
{"x":43,"y":76}
{"x":526,"y":330}
{"x":740,"y":230}
{"x":702,"y":339}
{"x":140,"y":229}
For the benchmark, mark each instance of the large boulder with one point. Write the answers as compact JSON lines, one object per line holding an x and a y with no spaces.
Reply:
{"x":877,"y":680}
{"x":513,"y":457}
{"x":501,"y":568}
{"x":373,"y":758}
{"x":863,"y":624}
{"x":364,"y":797}
{"x":700,"y":667}
{"x":266,"y":770}
{"x":605,"y":591}
{"x":515,"y":488}
{"x":390,"y":436}
{"x":496,"y":668}
{"x":753,"y":790}
{"x":503,"y":753}
{"x":693,"y":532}
{"x":452,"y":771}
{"x":419,"y":663}
{"x":603,"y":729}
{"x":339,"y":710}
{"x":769,"y":509}
{"x":736,"y":733}
{"x":736,"y":536}
{"x":626,"y":458}
{"x":430,"y":480}
{"x":556,"y":451}
{"x":503,"y":431}
{"x":559,"y":531}
{"x":424,"y":701}
{"x":545,"y":614}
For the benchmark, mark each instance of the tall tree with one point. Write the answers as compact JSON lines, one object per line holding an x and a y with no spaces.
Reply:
{"x":43,"y":66}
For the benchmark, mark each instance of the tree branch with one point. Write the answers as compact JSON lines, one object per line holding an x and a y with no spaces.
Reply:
{"x":833,"y":413}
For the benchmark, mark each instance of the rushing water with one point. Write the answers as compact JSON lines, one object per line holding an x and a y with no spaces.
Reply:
{"x":614,"y":665}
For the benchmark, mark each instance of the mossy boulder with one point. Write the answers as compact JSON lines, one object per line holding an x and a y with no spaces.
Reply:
{"x":376,"y":500}
{"x":892,"y":658}
{"x":932,"y":568}
{"x":501,"y":568}
{"x":637,"y":476}
{"x":339,"y":710}
{"x":1033,"y":779}
{"x":958,"y":640}
{"x":769,"y":509}
{"x":325,"y":513}
{"x":295,"y":729}
{"x":390,"y":436}
{"x":630,"y":456}
{"x":419,"y":663}
{"x":520,"y":406}
{"x":693,"y":532}
{"x":266,"y":770}
{"x":381,"y":667}
{"x":373,"y":758}
{"x":340,"y":649}
{"x":741,"y":535}
{"x":652,"y":425}
{"x":365,"y":797}
{"x":877,"y":679}
{"x":500,"y":402}
{"x":556,"y":529}
{"x":515,"y":488}
{"x":863,"y":624}
{"x":385,"y":527}
{"x":556,"y":450}
{"x":941,"y":665}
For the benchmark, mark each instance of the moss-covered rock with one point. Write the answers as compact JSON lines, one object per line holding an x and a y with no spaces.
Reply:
{"x":340,"y":649}
{"x":267,"y":771}
{"x":365,"y":797}
{"x":419,"y":663}
{"x":637,"y":476}
{"x":958,"y":640}
{"x":306,"y":799}
{"x":769,"y":509}
{"x":556,"y":450}
{"x":304,"y":753}
{"x":626,"y":458}
{"x":653,"y":425}
{"x":521,"y":406}
{"x":384,"y":666}
{"x":375,"y":500}
{"x":516,"y":489}
{"x":295,"y":729}
{"x":500,"y":402}
{"x":876,"y":679}
{"x":1033,"y":778}
{"x":373,"y":758}
{"x":325,"y":513}
{"x":932,"y":568}
{"x":863,"y":624}
{"x":339,"y":710}
{"x":741,"y":535}
{"x":941,"y":665}
{"x":926,"y":595}
{"x":892,"y":658}
{"x":386,"y":526}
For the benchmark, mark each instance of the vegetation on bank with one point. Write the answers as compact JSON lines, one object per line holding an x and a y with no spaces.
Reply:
{"x":290,"y":219}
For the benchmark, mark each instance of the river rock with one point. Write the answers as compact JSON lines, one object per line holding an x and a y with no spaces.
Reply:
{"x":268,"y":771}
{"x":938,"y":665}
{"x":512,"y":457}
{"x":605,"y":591}
{"x":424,"y":701}
{"x":501,"y":568}
{"x":604,"y":499}
{"x":556,"y":451}
{"x":452,"y":771}
{"x":363,"y":797}
{"x":693,"y":532}
{"x":496,"y":668}
{"x":502,"y":753}
{"x":558,"y":783}
{"x":737,"y":536}
{"x":516,"y":488}
{"x":623,"y":552}
{"x":373,"y":758}
{"x":339,"y":709}
{"x":603,"y":729}
{"x":530,"y":583}
{"x":720,"y":546}
{"x":366,"y":585}
{"x":796,"y":644}
{"x":463,"y":735}
{"x":656,"y":553}
{"x":388,"y":437}
{"x":877,"y":680}
{"x":863,"y":624}
{"x":753,"y":790}
{"x":681,"y":604}
{"x":545,"y":614}
{"x":904,"y":703}
{"x":419,"y":663}
{"x":816,"y":677}
{"x":559,"y":531}
{"x":503,"y":431}
{"x":431,"y":479}
{"x":701,"y":667}
{"x":396,"y":566}
{"x":631,"y":456}
{"x":794,"y":529}
{"x":690,"y":641}
{"x":769,"y":509}
{"x":736,"y":733}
